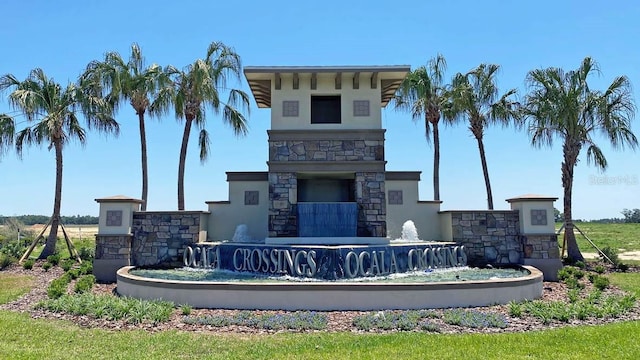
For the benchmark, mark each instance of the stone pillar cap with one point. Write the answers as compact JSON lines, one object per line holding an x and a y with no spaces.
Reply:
{"x":118,"y":199}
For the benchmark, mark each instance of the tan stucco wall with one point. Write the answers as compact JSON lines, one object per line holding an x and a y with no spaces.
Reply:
{"x":127,"y":209}
{"x":424,"y":214}
{"x":525,"y":207}
{"x":225,"y":217}
{"x":326,"y":86}
{"x":446,"y":226}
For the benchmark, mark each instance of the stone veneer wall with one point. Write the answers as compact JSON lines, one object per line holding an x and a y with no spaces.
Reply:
{"x":540,"y":246}
{"x":372,"y":214}
{"x":160,"y":237}
{"x":283,"y":188}
{"x":488,"y":236}
{"x":360,"y":152}
{"x":326,"y":150}
{"x":113,"y":247}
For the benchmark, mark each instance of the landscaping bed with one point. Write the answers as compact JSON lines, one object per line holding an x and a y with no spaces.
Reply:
{"x":560,"y":306}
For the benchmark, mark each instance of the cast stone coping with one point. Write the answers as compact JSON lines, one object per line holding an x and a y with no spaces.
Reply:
{"x":118,"y":199}
{"x":531,"y":197}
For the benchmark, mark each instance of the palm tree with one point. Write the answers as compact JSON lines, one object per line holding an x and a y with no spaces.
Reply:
{"x":197,"y":87}
{"x":425,"y":95}
{"x":50,"y":112}
{"x":562,"y":105}
{"x":476,"y":100}
{"x":7,"y":132}
{"x":145,"y":88}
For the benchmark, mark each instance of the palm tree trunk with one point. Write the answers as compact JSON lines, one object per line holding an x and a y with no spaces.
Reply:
{"x":436,"y":162}
{"x":143,"y":155}
{"x":181,"y":164}
{"x":569,"y":163}
{"x":50,"y":245}
{"x":485,"y":172}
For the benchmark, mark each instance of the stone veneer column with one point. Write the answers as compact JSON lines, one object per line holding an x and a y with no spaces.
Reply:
{"x":283,"y":190}
{"x":113,"y":241}
{"x":372,"y":211}
{"x":538,"y":233}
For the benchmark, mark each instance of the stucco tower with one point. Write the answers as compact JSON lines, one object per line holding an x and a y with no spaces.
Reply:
{"x":326,"y":146}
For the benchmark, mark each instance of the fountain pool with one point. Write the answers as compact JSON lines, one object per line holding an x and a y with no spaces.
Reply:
{"x":270,"y":294}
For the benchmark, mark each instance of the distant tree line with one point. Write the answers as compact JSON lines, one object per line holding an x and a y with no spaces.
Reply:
{"x":41,"y":219}
{"x":631,"y":216}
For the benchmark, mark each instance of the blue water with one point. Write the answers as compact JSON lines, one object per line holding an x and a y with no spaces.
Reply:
{"x":338,"y":219}
{"x":439,"y":275}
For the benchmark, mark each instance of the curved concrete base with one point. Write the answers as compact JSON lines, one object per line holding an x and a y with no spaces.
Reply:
{"x":332,"y":295}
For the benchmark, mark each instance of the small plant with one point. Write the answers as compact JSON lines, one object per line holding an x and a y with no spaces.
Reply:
{"x":623,"y":267}
{"x":185,"y":309}
{"x":54,"y":259}
{"x":573,"y":295}
{"x":46,"y":266}
{"x":67,"y":264}
{"x":6,"y":260}
{"x":84,"y":284}
{"x":86,"y":254}
{"x":601,"y":282}
{"x":57,"y":288}
{"x":28,"y":264}
{"x":573,"y":283}
{"x":429,"y":326}
{"x":579,"y":264}
{"x":611,"y":254}
{"x":86,"y":268}
{"x":73,"y":273}
{"x":599,"y":269}
{"x":515,"y":309}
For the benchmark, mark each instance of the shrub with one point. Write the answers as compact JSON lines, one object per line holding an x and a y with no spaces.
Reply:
{"x":579,"y":264}
{"x":46,"y":266}
{"x":623,"y":267}
{"x":73,"y":273}
{"x":6,"y":260}
{"x":601,"y":282}
{"x":67,"y":264}
{"x":12,"y":248}
{"x":610,"y":253}
{"x":86,"y":254}
{"x":84,"y":284}
{"x":57,"y":288}
{"x":599,"y":269}
{"x":86,"y":268}
{"x":54,"y":259}
{"x":28,"y":264}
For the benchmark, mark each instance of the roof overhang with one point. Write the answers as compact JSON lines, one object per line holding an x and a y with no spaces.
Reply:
{"x":260,"y":78}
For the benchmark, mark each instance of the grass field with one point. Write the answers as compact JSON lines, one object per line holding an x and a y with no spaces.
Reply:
{"x":623,"y":237}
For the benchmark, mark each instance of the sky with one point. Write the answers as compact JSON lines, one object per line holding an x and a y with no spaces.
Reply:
{"x":62,"y":37}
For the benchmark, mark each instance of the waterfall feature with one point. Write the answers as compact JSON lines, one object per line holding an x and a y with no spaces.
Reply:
{"x":337,"y":219}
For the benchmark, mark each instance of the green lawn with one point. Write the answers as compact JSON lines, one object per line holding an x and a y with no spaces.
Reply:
{"x":26,"y":338}
{"x":618,"y":236}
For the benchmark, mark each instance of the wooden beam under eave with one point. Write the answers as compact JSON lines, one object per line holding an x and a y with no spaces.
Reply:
{"x":356,"y":80}
{"x":296,"y":81}
{"x":314,"y":81}
{"x":338,"y":81}
{"x":374,"y":80}
{"x":278,"y":83}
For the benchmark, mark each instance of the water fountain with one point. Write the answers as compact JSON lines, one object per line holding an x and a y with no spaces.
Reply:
{"x":325,"y":212}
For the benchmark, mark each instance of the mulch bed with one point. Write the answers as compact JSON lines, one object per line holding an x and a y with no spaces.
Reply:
{"x":338,"y":321}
